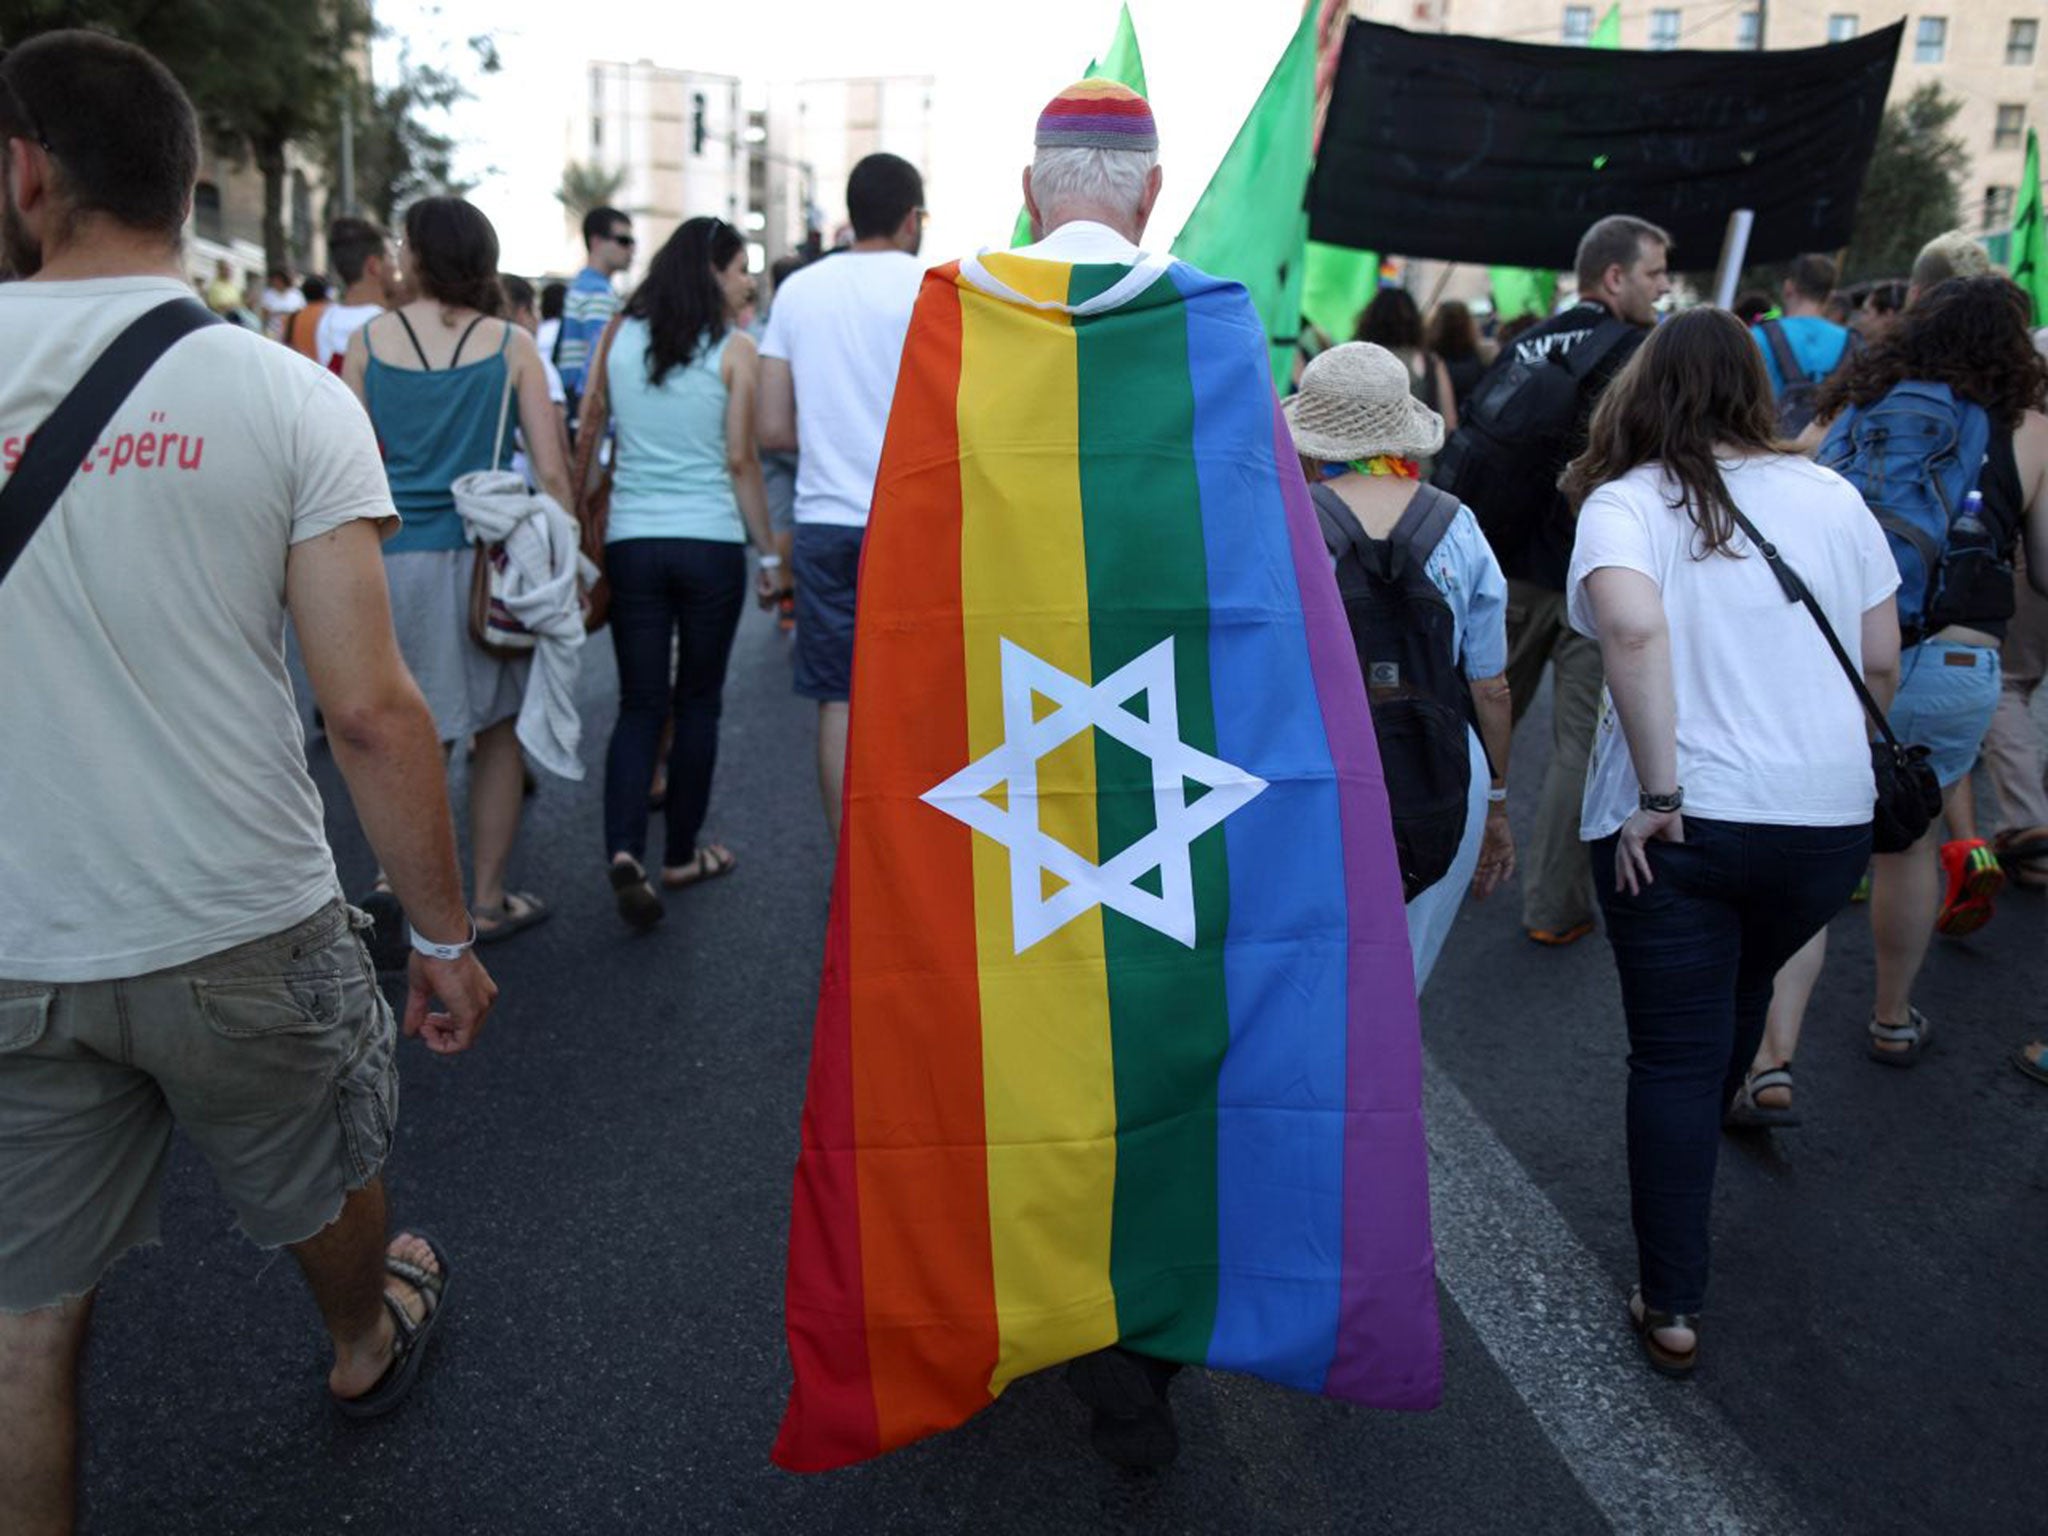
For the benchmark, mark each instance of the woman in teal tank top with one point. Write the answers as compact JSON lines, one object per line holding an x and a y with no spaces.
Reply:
{"x":677,"y":385}
{"x":433,"y":375}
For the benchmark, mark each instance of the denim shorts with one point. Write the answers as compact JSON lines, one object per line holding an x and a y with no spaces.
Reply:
{"x":276,"y":1058}
{"x":1947,"y":694}
{"x":826,"y":566}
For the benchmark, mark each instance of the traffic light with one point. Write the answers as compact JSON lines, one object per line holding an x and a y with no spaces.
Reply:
{"x":697,"y":122}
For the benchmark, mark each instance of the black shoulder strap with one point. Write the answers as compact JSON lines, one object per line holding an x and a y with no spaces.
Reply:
{"x":1424,"y":522}
{"x":463,"y":341}
{"x":1780,"y":344}
{"x":61,"y":443}
{"x":1580,"y":361}
{"x":1797,"y":591}
{"x":414,"y":337}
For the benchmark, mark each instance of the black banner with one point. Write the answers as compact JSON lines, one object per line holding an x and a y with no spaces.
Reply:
{"x":1473,"y":150}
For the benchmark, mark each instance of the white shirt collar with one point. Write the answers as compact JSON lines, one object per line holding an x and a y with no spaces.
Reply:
{"x":1083,"y":241}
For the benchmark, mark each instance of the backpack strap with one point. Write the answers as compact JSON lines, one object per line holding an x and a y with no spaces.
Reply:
{"x":1424,"y":522}
{"x":1340,"y":529}
{"x":1600,"y":342}
{"x":1780,"y":347}
{"x":57,"y":447}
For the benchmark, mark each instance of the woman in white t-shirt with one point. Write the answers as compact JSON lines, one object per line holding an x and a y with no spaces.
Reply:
{"x":1729,"y":801}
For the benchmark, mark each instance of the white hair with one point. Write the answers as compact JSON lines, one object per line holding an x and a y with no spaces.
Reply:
{"x":1094,"y":178}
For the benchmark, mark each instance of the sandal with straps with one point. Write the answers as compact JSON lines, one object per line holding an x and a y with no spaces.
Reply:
{"x":1744,"y":1113}
{"x":1663,"y":1359}
{"x":1912,"y":1039}
{"x":409,"y":1346}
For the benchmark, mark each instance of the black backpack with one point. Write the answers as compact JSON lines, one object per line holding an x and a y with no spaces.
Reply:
{"x":1421,"y":706}
{"x":1510,"y":446}
{"x":1797,"y":399}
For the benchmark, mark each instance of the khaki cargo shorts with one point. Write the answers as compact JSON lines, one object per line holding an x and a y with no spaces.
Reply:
{"x":275,"y":1057}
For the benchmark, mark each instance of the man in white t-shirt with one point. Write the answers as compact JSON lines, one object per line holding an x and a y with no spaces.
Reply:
{"x":360,"y":252}
{"x":174,"y":949}
{"x":280,"y":300}
{"x":828,"y":373}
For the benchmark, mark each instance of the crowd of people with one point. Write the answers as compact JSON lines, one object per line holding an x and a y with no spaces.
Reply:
{"x":1692,"y":524}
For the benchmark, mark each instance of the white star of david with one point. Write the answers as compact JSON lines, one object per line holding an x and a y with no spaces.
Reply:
{"x":1013,"y":768}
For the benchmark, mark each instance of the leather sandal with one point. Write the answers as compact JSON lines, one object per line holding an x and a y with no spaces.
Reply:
{"x":1663,"y":1359}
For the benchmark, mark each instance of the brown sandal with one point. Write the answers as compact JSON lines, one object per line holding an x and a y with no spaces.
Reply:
{"x":709,"y":862}
{"x":1663,"y":1359}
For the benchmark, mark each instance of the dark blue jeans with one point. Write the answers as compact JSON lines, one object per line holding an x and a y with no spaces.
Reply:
{"x":680,"y":593}
{"x":1697,"y":951}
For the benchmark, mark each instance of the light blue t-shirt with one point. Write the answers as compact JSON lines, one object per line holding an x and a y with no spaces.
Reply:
{"x":1816,"y":345}
{"x":1463,"y":568}
{"x":669,"y":476}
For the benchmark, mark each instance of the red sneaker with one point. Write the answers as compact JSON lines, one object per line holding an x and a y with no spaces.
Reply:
{"x":1974,"y":878}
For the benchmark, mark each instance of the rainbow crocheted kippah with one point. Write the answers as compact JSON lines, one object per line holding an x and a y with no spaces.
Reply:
{"x":1097,"y":114}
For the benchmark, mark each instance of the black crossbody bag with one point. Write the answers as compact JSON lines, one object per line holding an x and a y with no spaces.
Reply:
{"x":61,"y":443}
{"x":1908,"y":794}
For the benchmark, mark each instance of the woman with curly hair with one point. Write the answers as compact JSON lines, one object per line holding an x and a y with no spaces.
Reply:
{"x":1730,"y":796}
{"x":433,"y":375}
{"x":1970,"y":334}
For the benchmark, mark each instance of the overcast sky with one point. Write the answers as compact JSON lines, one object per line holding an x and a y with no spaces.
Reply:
{"x":995,"y":66}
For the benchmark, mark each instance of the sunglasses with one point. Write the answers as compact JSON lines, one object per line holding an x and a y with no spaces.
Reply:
{"x":14,"y":109}
{"x":626,"y":240}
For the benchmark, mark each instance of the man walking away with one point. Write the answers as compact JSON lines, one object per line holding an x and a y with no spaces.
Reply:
{"x":1802,"y":347}
{"x":172,"y":938}
{"x":1528,"y":418}
{"x":591,"y":301}
{"x":828,"y":373}
{"x":371,"y":283}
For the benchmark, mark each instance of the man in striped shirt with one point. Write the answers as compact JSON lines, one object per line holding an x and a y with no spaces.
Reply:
{"x":591,"y":303}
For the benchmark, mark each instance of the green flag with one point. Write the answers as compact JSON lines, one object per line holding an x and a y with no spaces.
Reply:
{"x":1250,"y":223}
{"x":1123,"y":64}
{"x":1336,"y":284}
{"x":2029,"y":236}
{"x":1524,"y":290}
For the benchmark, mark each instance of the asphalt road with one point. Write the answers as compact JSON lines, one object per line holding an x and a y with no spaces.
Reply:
{"x":610,"y":1170}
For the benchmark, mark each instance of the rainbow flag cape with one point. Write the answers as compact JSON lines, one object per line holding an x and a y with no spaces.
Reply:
{"x":1117,"y":1037}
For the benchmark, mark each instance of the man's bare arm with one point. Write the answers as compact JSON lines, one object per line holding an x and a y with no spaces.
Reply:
{"x":775,"y":420}
{"x":385,"y":745}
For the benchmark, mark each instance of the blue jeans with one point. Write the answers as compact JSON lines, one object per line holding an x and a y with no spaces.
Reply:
{"x":1697,"y":951}
{"x":684,"y":594}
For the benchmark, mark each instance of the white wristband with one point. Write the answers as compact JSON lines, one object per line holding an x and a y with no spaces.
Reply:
{"x":1496,"y":797}
{"x":435,"y":951}
{"x":770,"y":562}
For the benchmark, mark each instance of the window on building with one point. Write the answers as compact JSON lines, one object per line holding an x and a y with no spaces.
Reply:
{"x":2011,"y":127}
{"x":1998,"y":208}
{"x":1930,"y":40}
{"x":1749,"y":30}
{"x":1664,"y":29}
{"x":1578,"y":23}
{"x":2020,"y":39}
{"x":1843,"y":25}
{"x":206,"y":211}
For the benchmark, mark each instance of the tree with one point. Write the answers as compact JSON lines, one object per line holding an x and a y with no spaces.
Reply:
{"x":1912,"y":191}
{"x":261,"y":75}
{"x":585,"y":187}
{"x":400,"y":156}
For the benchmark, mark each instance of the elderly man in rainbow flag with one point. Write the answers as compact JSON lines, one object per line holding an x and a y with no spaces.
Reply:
{"x":1116,"y":1057}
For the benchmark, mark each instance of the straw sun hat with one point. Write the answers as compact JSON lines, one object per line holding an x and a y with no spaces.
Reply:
{"x":1354,"y":404}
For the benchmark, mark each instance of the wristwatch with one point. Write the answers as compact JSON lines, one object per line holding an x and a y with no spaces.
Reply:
{"x":435,"y":951}
{"x":1662,"y":805}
